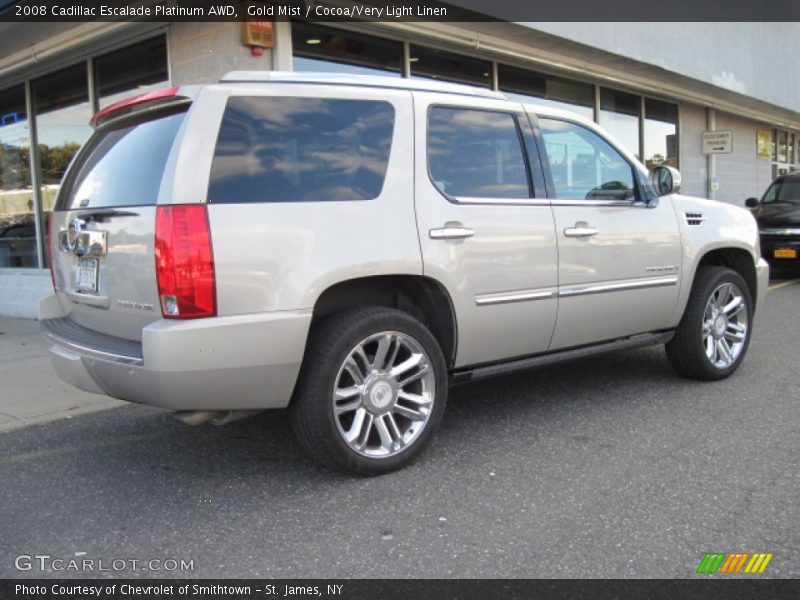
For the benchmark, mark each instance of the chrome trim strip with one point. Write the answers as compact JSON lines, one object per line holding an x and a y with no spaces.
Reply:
{"x":566,"y":202}
{"x":551,"y":202}
{"x":616,"y":286}
{"x":508,"y":201}
{"x":93,"y":352}
{"x":517,"y":296}
{"x":779,"y":231}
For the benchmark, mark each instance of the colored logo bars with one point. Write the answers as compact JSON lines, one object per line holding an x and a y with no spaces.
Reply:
{"x":721,"y":562}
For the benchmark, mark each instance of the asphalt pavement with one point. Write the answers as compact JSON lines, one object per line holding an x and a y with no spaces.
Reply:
{"x":606,"y":467}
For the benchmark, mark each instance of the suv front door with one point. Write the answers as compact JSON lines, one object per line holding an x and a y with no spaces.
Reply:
{"x":618,"y":258}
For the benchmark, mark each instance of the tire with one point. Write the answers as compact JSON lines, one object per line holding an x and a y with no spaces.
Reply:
{"x":707,"y":345}
{"x":382,"y":417}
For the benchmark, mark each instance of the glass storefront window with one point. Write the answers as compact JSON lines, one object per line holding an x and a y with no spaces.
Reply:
{"x":660,"y":133}
{"x":17,"y":215}
{"x":782,"y":147}
{"x":317,"y":48}
{"x":784,"y":153}
{"x":619,"y":115}
{"x":133,"y":70}
{"x":446,"y":66}
{"x":62,"y":113}
{"x":547,"y":90}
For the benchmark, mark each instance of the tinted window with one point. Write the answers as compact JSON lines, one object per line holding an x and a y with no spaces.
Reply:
{"x":301,"y":149}
{"x":548,"y":90}
{"x":123,"y":166}
{"x":132,"y":70}
{"x":446,"y":66}
{"x":318,"y":48}
{"x":476,"y":153}
{"x":583,"y":165}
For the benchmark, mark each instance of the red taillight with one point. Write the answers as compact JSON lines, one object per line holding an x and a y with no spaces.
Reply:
{"x":185,"y":262}
{"x":127,"y":103}
{"x":47,"y":244}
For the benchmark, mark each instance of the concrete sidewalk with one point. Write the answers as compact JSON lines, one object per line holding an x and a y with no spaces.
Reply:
{"x":30,"y":390}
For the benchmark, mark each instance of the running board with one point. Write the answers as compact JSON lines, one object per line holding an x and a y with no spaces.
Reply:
{"x":635,"y":341}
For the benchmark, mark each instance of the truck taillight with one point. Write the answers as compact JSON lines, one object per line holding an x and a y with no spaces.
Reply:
{"x":185,"y":262}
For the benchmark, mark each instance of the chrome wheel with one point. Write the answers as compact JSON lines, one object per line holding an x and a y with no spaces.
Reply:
{"x":725,"y":325}
{"x":383,"y":394}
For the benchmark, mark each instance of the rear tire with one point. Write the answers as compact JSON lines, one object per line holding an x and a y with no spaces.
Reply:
{"x":371,"y":391}
{"x":714,"y":333}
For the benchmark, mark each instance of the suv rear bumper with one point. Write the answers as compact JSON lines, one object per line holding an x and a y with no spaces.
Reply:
{"x":221,"y":363}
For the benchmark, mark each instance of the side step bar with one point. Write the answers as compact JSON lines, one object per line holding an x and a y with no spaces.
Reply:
{"x":628,"y":343}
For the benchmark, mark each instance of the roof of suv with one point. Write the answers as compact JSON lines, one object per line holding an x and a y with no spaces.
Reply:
{"x":360,"y":80}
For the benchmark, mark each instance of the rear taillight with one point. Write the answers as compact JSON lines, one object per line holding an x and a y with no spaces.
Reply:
{"x":185,"y":262}
{"x":48,"y":247}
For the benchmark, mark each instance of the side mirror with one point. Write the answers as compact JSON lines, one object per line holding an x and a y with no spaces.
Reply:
{"x":751,"y":202}
{"x":665,"y":180}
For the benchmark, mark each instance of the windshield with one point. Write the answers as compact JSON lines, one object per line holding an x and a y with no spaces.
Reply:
{"x":786,"y":191}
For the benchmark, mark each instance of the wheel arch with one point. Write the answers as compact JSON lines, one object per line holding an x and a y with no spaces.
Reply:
{"x":736,"y":259}
{"x":422,"y":297}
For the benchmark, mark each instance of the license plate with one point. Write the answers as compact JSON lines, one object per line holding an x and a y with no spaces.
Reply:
{"x":784,"y":253}
{"x":86,"y":276}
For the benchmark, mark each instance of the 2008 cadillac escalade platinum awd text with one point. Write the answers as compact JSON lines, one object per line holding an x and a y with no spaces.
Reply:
{"x":347,"y":246}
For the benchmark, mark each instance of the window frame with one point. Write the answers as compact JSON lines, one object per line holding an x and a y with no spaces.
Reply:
{"x":516,"y":115}
{"x":640,"y":196}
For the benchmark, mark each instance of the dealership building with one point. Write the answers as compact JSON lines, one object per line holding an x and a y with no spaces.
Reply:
{"x":719,"y":101}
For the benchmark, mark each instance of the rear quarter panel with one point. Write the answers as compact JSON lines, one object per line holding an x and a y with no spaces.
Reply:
{"x":282,"y":256}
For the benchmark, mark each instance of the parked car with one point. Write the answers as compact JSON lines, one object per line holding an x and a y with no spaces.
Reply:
{"x":347,"y":246}
{"x":778,"y":217}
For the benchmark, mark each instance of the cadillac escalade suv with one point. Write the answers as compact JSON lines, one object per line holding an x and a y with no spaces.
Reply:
{"x":348,"y":246}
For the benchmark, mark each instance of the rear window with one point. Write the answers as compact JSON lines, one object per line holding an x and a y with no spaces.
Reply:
{"x":122,"y":166}
{"x":287,"y":149}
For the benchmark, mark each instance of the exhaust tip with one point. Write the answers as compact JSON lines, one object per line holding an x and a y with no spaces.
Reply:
{"x":216,"y":417}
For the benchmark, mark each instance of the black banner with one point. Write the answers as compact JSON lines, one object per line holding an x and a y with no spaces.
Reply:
{"x":431,"y":589}
{"x":397,"y":10}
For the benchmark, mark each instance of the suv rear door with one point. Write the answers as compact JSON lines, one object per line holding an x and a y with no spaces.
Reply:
{"x":484,"y":232}
{"x":103,"y":225}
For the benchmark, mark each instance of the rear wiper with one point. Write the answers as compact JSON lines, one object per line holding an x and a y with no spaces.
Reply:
{"x":100,"y":214}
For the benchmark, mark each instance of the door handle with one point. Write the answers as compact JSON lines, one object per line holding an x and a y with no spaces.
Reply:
{"x":451,"y":231}
{"x":581,"y":229}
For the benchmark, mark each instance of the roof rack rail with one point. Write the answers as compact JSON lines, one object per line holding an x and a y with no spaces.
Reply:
{"x":358,"y":80}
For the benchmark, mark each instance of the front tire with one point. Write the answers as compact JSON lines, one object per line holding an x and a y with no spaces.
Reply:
{"x":714,"y":333}
{"x":371,"y":392}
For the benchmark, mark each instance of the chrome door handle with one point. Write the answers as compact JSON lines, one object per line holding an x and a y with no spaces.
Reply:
{"x":451,"y":231}
{"x":581,"y":229}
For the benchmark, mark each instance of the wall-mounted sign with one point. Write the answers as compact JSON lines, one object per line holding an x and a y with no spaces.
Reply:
{"x":717,"y":142}
{"x":763,"y":144}
{"x":258,"y":34}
